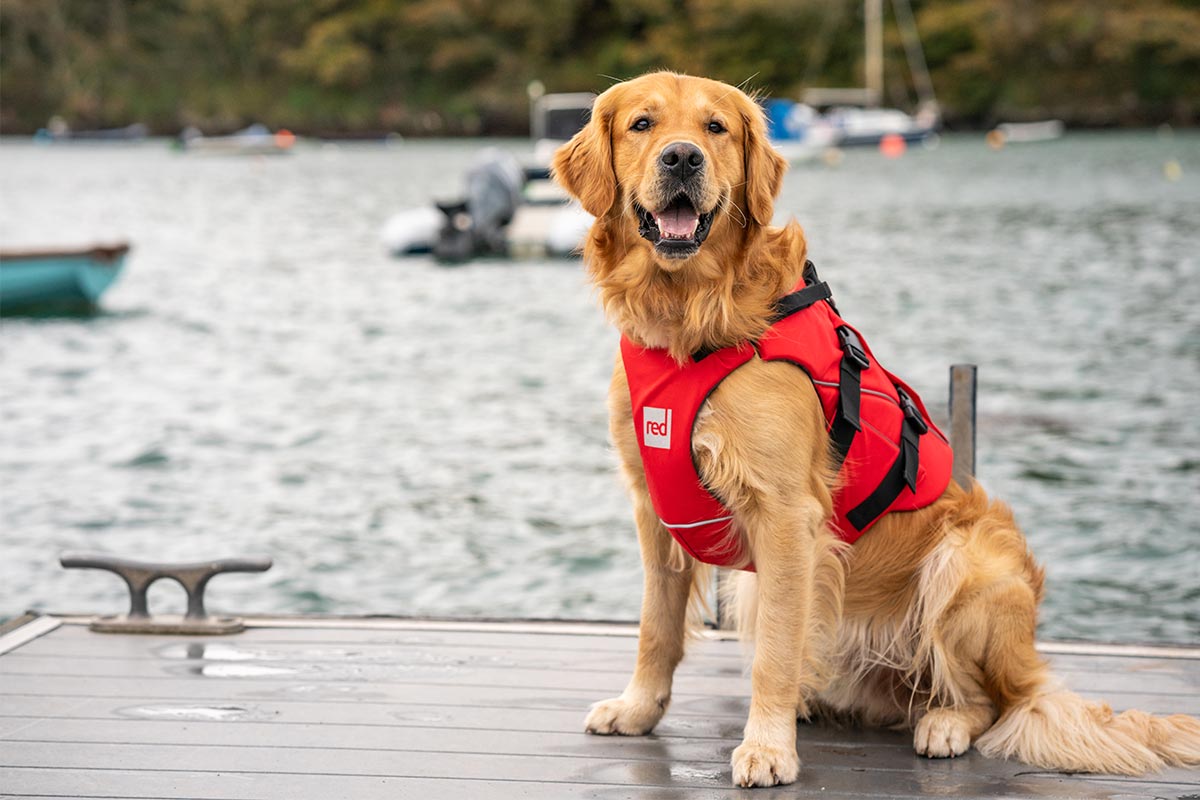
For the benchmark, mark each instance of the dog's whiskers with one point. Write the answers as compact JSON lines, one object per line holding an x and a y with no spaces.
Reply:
{"x":729,"y":207}
{"x":628,"y":205}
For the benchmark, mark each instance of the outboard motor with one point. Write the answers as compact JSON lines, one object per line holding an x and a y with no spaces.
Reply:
{"x":475,"y":226}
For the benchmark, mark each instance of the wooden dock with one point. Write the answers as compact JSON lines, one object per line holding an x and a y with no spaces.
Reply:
{"x":385,"y":708}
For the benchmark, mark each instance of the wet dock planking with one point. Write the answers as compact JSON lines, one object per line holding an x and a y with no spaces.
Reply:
{"x":328,"y":708}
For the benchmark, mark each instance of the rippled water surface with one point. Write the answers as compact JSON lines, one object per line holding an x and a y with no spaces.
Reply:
{"x":404,"y":438}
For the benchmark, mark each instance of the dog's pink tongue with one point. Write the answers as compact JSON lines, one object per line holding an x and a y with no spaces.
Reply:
{"x":677,"y":223}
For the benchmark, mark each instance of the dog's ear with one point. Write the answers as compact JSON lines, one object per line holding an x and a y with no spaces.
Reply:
{"x":584,"y":165}
{"x":764,"y":167}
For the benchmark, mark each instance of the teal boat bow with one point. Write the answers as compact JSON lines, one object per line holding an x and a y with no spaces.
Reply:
{"x":58,"y":278}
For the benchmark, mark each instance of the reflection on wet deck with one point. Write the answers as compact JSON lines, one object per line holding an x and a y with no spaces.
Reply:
{"x":397,"y":709}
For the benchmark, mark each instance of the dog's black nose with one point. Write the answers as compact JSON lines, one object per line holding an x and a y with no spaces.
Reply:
{"x":681,"y":159}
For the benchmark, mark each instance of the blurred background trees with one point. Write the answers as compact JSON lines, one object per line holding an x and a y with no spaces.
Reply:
{"x":463,"y":66}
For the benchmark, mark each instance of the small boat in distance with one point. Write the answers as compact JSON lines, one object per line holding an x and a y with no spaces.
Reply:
{"x":58,"y":279}
{"x":255,"y":140}
{"x":57,"y":130}
{"x":1025,"y":132}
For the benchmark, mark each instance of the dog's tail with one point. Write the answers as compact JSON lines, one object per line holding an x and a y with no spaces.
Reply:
{"x":1040,"y":722}
{"x":1057,"y":729}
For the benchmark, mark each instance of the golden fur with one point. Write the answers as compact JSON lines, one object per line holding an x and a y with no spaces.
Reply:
{"x":928,"y":621}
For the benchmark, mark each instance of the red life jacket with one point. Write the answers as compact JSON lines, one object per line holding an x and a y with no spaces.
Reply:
{"x":893,"y":458}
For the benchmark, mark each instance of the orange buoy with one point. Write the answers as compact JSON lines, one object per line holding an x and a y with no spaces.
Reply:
{"x":284,"y":138}
{"x":892,"y":145}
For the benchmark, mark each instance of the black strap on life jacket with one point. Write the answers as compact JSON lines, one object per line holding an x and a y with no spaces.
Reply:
{"x":815,"y":290}
{"x":798,"y":301}
{"x":846,"y":420}
{"x":811,"y":277}
{"x":903,"y":471}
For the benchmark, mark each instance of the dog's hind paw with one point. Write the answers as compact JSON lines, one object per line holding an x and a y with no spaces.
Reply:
{"x":762,"y":765}
{"x":624,"y":716}
{"x":942,"y":733}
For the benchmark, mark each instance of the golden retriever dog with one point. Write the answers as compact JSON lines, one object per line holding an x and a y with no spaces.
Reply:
{"x":928,"y":620}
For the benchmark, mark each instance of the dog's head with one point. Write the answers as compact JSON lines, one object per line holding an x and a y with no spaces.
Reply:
{"x":679,"y":160}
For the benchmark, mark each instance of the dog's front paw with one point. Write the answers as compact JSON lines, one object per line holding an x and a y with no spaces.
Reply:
{"x":757,"y":764}
{"x":624,"y":716}
{"x":942,"y":733}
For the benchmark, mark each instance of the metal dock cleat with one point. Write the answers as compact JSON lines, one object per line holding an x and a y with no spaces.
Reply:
{"x":139,"y":575}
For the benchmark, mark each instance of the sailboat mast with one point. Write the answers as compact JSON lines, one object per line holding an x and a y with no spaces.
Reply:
{"x":873,"y":31}
{"x":916,"y":56}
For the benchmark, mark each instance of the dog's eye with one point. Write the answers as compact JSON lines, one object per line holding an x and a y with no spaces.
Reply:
{"x":642,"y":124}
{"x":716,"y":127}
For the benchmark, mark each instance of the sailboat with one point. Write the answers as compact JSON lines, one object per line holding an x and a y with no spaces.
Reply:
{"x":798,"y":132}
{"x":856,"y":116}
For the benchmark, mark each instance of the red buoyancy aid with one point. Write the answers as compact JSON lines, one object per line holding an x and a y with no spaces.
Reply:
{"x":893,"y":458}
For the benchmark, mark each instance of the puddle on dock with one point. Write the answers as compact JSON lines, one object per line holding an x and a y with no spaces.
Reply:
{"x":655,"y":772}
{"x":320,"y":692}
{"x":315,"y":657}
{"x":684,"y":774}
{"x":335,"y":671}
{"x":418,"y":716}
{"x":234,"y":670}
{"x":220,"y":651}
{"x":196,"y":713}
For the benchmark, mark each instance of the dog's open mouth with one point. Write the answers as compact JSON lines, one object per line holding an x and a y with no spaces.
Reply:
{"x":678,"y":230}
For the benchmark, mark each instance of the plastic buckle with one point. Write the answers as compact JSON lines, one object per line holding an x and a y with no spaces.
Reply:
{"x":852,"y":346}
{"x":912,"y":413}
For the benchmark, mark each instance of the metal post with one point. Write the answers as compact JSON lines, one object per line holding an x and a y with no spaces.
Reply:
{"x":962,"y":422}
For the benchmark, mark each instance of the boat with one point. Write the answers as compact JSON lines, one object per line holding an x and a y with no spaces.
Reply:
{"x":855,"y":115}
{"x":1025,"y":132}
{"x":547,"y":223}
{"x":58,"y":279}
{"x":57,"y":130}
{"x":797,"y":131}
{"x":554,"y":118}
{"x":508,"y":209}
{"x":412,"y":231}
{"x":255,"y":140}
{"x":867,"y":127}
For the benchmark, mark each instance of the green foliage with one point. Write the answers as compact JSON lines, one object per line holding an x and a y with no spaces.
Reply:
{"x":462,"y":66}
{"x":1114,"y":62}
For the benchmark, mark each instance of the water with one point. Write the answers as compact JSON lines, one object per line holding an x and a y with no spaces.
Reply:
{"x":407,"y":439}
